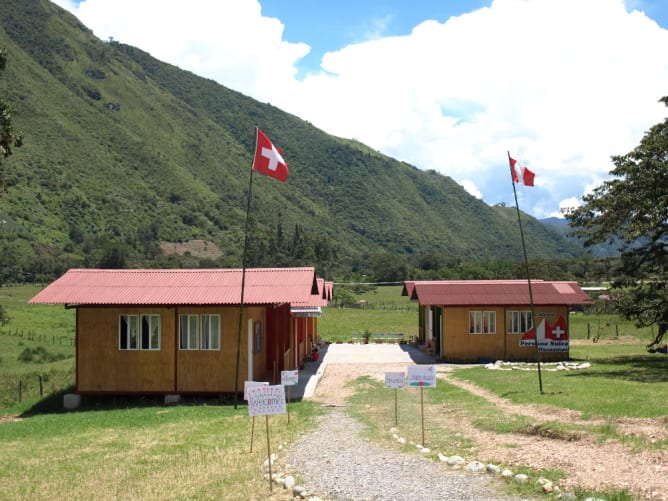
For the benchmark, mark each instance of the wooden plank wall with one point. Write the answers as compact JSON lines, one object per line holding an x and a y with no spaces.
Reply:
{"x":460,"y":346}
{"x":103,"y":368}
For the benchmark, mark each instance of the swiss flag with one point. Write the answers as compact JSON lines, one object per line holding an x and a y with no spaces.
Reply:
{"x":268,"y":159}
{"x":521,"y":174}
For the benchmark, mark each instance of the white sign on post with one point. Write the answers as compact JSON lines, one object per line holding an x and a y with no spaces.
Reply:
{"x":265,"y":400}
{"x":289,"y":378}
{"x":395,"y":380}
{"x":252,"y":384}
{"x":422,"y":375}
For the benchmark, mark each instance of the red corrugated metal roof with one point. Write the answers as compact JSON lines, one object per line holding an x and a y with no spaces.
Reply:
{"x":496,"y":292}
{"x":180,"y":287}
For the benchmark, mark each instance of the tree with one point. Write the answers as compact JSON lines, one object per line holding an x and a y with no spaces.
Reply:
{"x":9,"y":138}
{"x":633,"y":208}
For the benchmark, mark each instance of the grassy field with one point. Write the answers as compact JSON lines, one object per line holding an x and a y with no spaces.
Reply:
{"x":155,"y":452}
{"x":200,"y":450}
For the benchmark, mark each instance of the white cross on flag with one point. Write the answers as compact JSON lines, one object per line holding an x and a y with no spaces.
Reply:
{"x":268,"y":159}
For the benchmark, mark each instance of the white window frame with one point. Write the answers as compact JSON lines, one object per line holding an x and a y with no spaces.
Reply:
{"x":202,"y":332}
{"x":482,"y":322}
{"x":210,"y":332}
{"x":191,"y":339}
{"x":516,"y":319}
{"x":134,"y":332}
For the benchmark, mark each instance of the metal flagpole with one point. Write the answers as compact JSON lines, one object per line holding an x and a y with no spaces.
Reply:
{"x":526,"y":265}
{"x":243,"y":286}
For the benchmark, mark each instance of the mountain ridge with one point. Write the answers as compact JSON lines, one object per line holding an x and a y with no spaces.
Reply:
{"x":123,"y":151}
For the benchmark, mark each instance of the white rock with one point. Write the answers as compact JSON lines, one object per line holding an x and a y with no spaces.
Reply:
{"x":289,"y":482}
{"x":401,"y":440}
{"x":521,"y":478}
{"x":506,"y":473}
{"x":455,"y":461}
{"x":475,"y":466}
{"x":494,"y":469}
{"x":442,"y":457}
{"x":273,"y":458}
{"x":548,"y":486}
{"x":425,"y":450}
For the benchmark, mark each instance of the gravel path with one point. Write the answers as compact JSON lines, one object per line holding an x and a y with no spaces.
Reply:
{"x":335,"y":462}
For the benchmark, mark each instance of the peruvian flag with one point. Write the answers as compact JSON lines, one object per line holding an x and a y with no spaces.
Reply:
{"x":268,"y":159}
{"x":521,"y":174}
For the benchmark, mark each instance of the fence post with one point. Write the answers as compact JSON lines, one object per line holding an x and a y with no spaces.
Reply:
{"x":41,"y":386}
{"x":20,"y":389}
{"x":588,"y":330}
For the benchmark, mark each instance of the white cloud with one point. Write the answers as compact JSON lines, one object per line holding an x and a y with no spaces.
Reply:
{"x":561,"y":84}
{"x":471,"y":188}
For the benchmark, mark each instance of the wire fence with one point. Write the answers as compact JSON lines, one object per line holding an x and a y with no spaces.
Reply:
{"x":64,"y":340}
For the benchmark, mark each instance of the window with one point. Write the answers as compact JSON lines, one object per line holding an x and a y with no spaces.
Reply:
{"x":199,"y":332}
{"x":519,"y":322}
{"x":189,"y":332}
{"x":139,"y":332}
{"x":482,"y":322}
{"x":210,"y":332}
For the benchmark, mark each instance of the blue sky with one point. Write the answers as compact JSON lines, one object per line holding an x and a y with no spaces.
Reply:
{"x":329,"y":25}
{"x":448,"y":85}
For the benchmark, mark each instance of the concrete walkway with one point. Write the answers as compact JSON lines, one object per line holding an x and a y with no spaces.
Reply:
{"x":355,"y":354}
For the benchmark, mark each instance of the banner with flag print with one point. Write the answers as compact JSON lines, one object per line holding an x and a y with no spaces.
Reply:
{"x":521,"y":174}
{"x":268,"y":159}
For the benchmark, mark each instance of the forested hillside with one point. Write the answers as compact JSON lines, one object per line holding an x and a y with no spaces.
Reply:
{"x":123,"y":153}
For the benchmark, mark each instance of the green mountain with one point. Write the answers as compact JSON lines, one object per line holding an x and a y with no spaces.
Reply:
{"x":125,"y":156}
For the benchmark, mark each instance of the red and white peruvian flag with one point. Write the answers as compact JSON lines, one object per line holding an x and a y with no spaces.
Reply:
{"x":268,"y":159}
{"x":521,"y":174}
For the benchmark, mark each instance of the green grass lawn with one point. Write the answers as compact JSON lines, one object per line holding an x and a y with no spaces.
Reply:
{"x":148,"y":452}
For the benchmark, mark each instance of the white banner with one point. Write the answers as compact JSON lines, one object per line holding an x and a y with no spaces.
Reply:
{"x":252,"y":384}
{"x":395,"y":379}
{"x":289,"y":378}
{"x":265,"y":400}
{"x":422,"y":375}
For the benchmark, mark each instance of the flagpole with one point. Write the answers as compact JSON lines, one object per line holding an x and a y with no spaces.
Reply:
{"x":243,"y":286}
{"x":526,"y":265}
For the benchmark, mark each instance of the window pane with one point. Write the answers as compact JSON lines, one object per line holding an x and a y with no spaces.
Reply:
{"x":183,"y":332}
{"x":193,"y":332}
{"x":145,"y":332}
{"x":133,"y":332}
{"x":155,"y":332}
{"x":123,"y":333}
{"x":491,"y":322}
{"x":215,"y":332}
{"x":206,"y":335}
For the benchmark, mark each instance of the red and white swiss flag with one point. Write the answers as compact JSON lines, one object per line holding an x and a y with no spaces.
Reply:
{"x":521,"y":174}
{"x":268,"y":159}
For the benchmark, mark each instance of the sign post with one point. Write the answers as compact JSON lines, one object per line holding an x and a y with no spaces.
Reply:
{"x":395,"y":380}
{"x":289,"y":379}
{"x":247,"y":385}
{"x":263,"y":401}
{"x":423,"y":376}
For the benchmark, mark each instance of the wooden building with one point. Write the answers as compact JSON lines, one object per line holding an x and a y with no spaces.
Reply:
{"x":488,"y":320}
{"x":175,"y":331}
{"x":305,"y":329}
